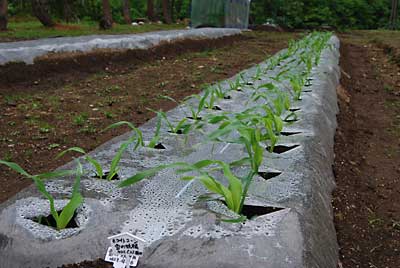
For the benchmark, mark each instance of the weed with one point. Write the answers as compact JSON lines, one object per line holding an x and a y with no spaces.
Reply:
{"x":53,"y":146}
{"x":88,"y":129}
{"x":109,"y":115}
{"x":80,"y":119}
{"x":45,"y":128}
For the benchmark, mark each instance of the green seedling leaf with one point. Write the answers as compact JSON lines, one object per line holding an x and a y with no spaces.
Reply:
{"x":96,"y":165}
{"x":188,"y":178}
{"x":238,"y":220}
{"x":17,"y":168}
{"x":75,"y":202}
{"x":156,"y":138}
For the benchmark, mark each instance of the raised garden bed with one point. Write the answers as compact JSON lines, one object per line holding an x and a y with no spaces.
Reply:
{"x":282,"y":221}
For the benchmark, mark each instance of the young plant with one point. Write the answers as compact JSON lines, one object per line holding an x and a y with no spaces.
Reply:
{"x":154,"y":141}
{"x":138,"y":133}
{"x":114,"y":167}
{"x":220,"y":93}
{"x":237,"y":85}
{"x":258,"y":74}
{"x":272,"y":63}
{"x":91,"y":160}
{"x":233,"y":194}
{"x":209,"y":98}
{"x":67,"y":213}
{"x":182,"y":127}
{"x":297,"y":82}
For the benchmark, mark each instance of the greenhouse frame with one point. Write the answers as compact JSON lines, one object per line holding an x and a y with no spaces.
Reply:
{"x":220,"y":13}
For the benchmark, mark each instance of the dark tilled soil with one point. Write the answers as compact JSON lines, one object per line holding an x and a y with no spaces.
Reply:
{"x":367,"y":165}
{"x":90,"y":264}
{"x":54,"y":69}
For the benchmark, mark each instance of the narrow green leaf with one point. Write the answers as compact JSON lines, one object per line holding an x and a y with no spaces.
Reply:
{"x":96,"y":165}
{"x":72,"y":149}
{"x":17,"y":168}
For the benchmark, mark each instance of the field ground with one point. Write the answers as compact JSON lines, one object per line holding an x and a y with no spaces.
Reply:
{"x":367,"y":166}
{"x":44,"y":114}
{"x":28,"y":30}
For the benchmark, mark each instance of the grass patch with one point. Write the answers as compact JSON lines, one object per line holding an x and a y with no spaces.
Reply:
{"x":27,"y":30}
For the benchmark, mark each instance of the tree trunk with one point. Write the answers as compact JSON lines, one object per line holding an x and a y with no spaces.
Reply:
{"x":3,"y":15}
{"x":68,"y":13}
{"x":178,"y":8}
{"x":172,"y":9}
{"x":40,"y":10}
{"x":150,"y":10}
{"x":106,"y":21}
{"x":394,"y":15}
{"x":126,"y":10}
{"x":166,"y":12}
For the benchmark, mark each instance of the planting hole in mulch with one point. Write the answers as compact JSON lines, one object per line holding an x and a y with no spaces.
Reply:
{"x":197,"y":119}
{"x":254,"y":211}
{"x":291,"y":119}
{"x":280,"y":149}
{"x":269,"y":175}
{"x":104,"y":177}
{"x":217,"y":108}
{"x":284,"y":133}
{"x":160,"y":146}
{"x":227,"y":98}
{"x":179,"y":132}
{"x":51,"y":222}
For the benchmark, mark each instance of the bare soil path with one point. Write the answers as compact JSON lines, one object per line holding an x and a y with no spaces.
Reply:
{"x":367,"y":166}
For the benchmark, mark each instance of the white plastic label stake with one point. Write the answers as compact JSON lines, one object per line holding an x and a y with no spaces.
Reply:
{"x":119,"y":261}
{"x":125,"y":250}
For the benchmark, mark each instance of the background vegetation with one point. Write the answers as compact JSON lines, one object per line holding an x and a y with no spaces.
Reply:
{"x":341,"y":14}
{"x":338,"y":14}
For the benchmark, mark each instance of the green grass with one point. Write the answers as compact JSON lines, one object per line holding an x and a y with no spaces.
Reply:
{"x":382,"y":37}
{"x":26,"y":30}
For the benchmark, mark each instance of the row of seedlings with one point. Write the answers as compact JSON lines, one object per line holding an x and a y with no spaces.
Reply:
{"x":254,"y":128}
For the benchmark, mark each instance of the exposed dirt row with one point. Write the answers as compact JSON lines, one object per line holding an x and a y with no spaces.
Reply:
{"x":367,"y":166}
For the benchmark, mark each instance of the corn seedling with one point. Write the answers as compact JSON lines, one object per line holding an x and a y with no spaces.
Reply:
{"x":96,"y":164}
{"x":138,"y":134}
{"x":237,"y":85}
{"x":297,"y":83}
{"x":220,"y":93}
{"x":232,"y":195}
{"x":210,"y":98}
{"x":258,"y":74}
{"x":182,"y":127}
{"x":64,"y":217}
{"x":154,"y":141}
{"x":88,"y":158}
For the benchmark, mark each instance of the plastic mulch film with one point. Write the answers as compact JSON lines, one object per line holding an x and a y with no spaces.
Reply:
{"x":220,"y":13}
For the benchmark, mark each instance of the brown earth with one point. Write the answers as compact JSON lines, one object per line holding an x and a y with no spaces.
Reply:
{"x":367,"y":166}
{"x":62,"y":102}
{"x":55,"y":69}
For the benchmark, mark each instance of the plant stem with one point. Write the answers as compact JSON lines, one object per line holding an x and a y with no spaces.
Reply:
{"x":249,"y":179}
